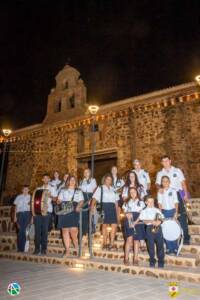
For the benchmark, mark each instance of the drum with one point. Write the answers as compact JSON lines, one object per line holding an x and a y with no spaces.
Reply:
{"x":39,"y":202}
{"x":171,"y":230}
{"x":64,"y":208}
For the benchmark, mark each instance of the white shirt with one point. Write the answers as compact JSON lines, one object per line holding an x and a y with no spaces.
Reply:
{"x":143,"y":178}
{"x":168,"y":199}
{"x":109,"y":195}
{"x":118,"y":183}
{"x":175,"y":175}
{"x":149,"y":213}
{"x":125,"y":192}
{"x":53,"y":193}
{"x":22,"y":203}
{"x":69,"y":194}
{"x":133,"y":206}
{"x":55,"y":182}
{"x":88,"y":186}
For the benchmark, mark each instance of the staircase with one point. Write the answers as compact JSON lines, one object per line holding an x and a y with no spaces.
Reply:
{"x":185,"y":267}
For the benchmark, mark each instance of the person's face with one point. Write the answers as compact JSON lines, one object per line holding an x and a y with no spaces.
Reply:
{"x":65,"y":177}
{"x":108,"y":181}
{"x":165,"y":182}
{"x":132,"y":178}
{"x":137,"y":165}
{"x":72,"y":182}
{"x":45,"y":179}
{"x":56,"y":175}
{"x":86,"y":173}
{"x":25,"y":190}
{"x":150,"y":202}
{"x":133,"y":194}
{"x":114,"y":171}
{"x":166,"y":162}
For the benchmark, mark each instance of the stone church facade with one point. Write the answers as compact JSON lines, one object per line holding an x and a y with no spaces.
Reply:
{"x":143,"y":127}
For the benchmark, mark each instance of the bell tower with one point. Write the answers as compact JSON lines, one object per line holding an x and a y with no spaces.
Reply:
{"x":68,"y":99}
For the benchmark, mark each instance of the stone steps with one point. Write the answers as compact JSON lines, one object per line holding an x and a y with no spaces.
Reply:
{"x":190,"y":255}
{"x":170,"y":273}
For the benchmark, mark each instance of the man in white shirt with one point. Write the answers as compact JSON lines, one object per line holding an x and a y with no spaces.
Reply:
{"x":177,"y":182}
{"x":42,"y":222}
{"x":143,"y":176}
{"x":22,"y":216}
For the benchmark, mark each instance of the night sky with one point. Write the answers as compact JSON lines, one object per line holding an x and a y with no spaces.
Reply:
{"x":121,"y":48}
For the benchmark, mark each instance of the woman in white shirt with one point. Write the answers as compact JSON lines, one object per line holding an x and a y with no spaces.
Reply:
{"x":106,"y":196}
{"x":168,"y":204}
{"x":133,"y":232}
{"x":69,"y":222}
{"x":132,"y":181}
{"x":88,"y":186}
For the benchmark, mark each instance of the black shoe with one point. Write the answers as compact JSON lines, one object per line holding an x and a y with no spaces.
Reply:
{"x":160,"y":266}
{"x":44,"y":252}
{"x":186,"y":243}
{"x":36,"y":252}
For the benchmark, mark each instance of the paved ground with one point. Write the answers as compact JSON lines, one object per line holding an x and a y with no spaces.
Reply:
{"x":42,"y":282}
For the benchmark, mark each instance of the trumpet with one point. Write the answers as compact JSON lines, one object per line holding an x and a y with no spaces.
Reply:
{"x":155,"y":228}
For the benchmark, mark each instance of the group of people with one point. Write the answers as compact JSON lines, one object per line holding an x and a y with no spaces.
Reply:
{"x":114,"y":197}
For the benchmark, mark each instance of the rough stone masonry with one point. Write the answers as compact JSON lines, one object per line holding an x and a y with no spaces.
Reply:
{"x":143,"y":127}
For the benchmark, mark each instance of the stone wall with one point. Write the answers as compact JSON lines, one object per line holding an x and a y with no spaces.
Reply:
{"x":143,"y":133}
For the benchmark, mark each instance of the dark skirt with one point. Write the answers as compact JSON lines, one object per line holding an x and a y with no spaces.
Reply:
{"x":139,"y":233}
{"x":110,"y":213}
{"x":69,"y":220}
{"x":85,"y":213}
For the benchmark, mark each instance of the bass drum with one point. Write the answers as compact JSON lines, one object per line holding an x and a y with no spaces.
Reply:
{"x":39,"y":202}
{"x":171,"y":230}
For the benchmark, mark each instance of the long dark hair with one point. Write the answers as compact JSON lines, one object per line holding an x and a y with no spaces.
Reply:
{"x":129,"y":194}
{"x":128,"y":182}
{"x":68,"y":181}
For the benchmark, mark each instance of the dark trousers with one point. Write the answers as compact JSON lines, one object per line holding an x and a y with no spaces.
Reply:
{"x":41,"y":231}
{"x":23,"y":219}
{"x":183,"y":219}
{"x":152,"y":239}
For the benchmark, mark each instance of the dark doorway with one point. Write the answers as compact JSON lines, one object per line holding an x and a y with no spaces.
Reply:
{"x":102,"y":166}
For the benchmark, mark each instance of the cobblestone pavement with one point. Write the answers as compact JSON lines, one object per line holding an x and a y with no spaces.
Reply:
{"x":42,"y":282}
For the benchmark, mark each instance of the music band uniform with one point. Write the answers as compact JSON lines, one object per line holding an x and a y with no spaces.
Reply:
{"x":176,"y":177}
{"x":144,"y":179}
{"x":167,"y":200}
{"x":71,"y":219}
{"x":134,"y":207}
{"x":23,"y":214}
{"x":109,"y":200}
{"x":42,"y":222}
{"x":149,"y":213}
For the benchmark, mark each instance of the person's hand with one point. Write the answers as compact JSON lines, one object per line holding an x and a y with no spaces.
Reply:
{"x":175,"y":216}
{"x":78,"y":209}
{"x":129,"y":216}
{"x":58,"y":201}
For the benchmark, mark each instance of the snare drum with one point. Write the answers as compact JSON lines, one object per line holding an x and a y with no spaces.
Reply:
{"x":39,"y":202}
{"x":171,"y":230}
